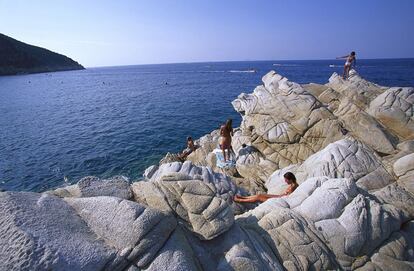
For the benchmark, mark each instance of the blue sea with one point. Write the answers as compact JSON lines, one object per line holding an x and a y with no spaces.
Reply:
{"x":119,"y":120}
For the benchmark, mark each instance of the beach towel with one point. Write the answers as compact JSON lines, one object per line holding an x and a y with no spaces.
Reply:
{"x":220,"y":160}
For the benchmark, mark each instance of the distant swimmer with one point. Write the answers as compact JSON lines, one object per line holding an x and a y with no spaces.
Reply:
{"x":350,"y":60}
{"x":166,"y":83}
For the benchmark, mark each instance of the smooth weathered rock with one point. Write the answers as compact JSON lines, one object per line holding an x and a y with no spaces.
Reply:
{"x":91,"y":186}
{"x":360,"y":124}
{"x":346,"y":158}
{"x":134,"y":230}
{"x":286,"y":125}
{"x":175,"y":255}
{"x":360,"y":91}
{"x":397,"y":253}
{"x":197,"y":204}
{"x":315,"y":89}
{"x":223,"y":184}
{"x":149,"y":194}
{"x":170,"y":158}
{"x":350,"y":224}
{"x":404,"y":169}
{"x":348,"y":101}
{"x":237,"y":249}
{"x":395,"y":110}
{"x":150,"y":171}
{"x":362,"y":227}
{"x":66,"y":191}
{"x":42,"y":232}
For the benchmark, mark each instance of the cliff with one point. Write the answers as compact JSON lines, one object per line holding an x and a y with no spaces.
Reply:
{"x":350,"y":144}
{"x":18,"y":58}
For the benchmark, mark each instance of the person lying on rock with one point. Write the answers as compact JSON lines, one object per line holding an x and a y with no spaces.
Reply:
{"x":350,"y":59}
{"x":190,"y":148}
{"x":290,"y":179}
{"x":226,"y":132}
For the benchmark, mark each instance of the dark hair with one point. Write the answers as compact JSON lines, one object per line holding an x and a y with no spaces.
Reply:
{"x":290,"y":176}
{"x":189,"y":138}
{"x":229,"y":123}
{"x":352,"y":53}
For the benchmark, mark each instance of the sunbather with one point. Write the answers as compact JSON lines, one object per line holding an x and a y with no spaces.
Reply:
{"x":290,"y":179}
{"x":190,"y":148}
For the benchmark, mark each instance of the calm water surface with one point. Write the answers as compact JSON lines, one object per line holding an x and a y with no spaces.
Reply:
{"x":119,"y":120}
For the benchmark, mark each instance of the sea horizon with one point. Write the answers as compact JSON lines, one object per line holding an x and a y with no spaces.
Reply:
{"x":118,"y":120}
{"x":235,"y":61}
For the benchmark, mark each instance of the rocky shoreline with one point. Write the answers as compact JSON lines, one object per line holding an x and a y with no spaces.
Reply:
{"x":350,"y":144}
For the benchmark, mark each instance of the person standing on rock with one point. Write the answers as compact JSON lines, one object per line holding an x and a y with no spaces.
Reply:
{"x":290,"y":179}
{"x":350,"y":60}
{"x":226,"y":132}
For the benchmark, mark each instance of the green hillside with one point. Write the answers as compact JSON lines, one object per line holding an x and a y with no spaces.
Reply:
{"x":18,"y":58}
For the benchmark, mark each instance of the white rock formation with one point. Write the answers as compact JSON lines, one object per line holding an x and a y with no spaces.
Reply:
{"x":394,"y":109}
{"x":346,"y":158}
{"x":285,"y":123}
{"x":350,"y":144}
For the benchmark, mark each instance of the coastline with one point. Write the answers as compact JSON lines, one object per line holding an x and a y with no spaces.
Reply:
{"x":353,"y":207}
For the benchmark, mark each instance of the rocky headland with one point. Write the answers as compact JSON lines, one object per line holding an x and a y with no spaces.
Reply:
{"x":349,"y":142}
{"x":17,"y":57}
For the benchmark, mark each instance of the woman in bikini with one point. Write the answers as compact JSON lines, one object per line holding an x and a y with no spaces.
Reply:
{"x":350,"y":59}
{"x":290,"y":179}
{"x":226,"y":132}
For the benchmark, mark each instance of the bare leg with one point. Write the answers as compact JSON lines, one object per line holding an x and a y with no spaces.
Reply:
{"x":255,"y":198}
{"x":184,"y":154}
{"x":346,"y":71}
{"x":224,"y":152}
{"x":228,"y":152}
{"x":344,"y":74}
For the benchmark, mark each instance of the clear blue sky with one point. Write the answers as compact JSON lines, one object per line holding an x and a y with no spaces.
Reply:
{"x":105,"y":33}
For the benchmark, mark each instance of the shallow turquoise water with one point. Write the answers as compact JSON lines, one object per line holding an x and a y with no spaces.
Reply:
{"x":119,"y":120}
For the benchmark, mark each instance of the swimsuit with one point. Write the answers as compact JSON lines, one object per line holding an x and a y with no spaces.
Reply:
{"x":225,"y":145}
{"x":347,"y":63}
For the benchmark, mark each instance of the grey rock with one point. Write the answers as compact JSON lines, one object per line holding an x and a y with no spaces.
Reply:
{"x":396,"y":253}
{"x":395,"y":110}
{"x":91,"y":186}
{"x":224,"y":187}
{"x":197,"y":204}
{"x":346,"y":158}
{"x":135,"y":231}
{"x":42,"y":232}
{"x":175,"y":255}
{"x":284,"y":123}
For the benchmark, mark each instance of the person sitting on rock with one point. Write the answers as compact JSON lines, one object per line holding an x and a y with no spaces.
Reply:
{"x":190,"y":148}
{"x":350,"y":59}
{"x":226,"y":132}
{"x":290,"y":179}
